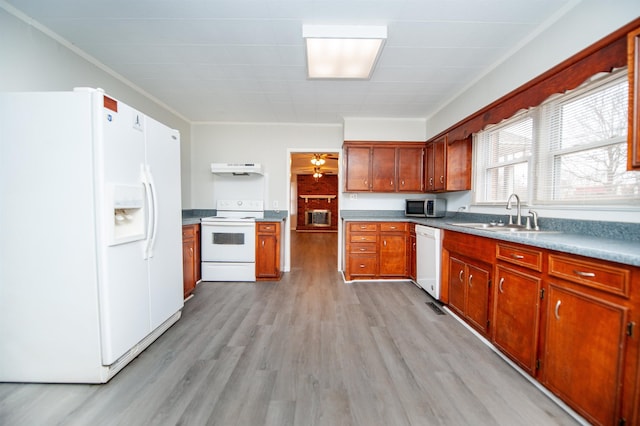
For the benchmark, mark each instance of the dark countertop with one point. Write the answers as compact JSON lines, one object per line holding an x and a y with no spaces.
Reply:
{"x":613,"y":241}
{"x":192,"y":217}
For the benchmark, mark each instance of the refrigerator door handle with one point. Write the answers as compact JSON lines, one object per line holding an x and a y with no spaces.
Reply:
{"x":144,"y":176}
{"x":154,"y":213}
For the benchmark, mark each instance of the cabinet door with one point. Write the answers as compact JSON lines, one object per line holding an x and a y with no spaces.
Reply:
{"x":477,"y":307}
{"x":457,"y":284}
{"x":435,"y":155}
{"x":439,"y":164}
{"x":357,"y":168}
{"x":516,"y":316}
{"x":458,"y":165}
{"x":583,"y":354}
{"x":393,"y":255}
{"x":266,"y":259}
{"x":383,"y":169}
{"x":412,"y":256}
{"x":410,"y":169}
{"x":188,"y":266}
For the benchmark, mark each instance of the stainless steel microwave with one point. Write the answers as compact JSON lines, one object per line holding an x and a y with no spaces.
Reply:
{"x":430,"y":207}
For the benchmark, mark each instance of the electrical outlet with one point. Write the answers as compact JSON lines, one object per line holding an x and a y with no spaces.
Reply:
{"x":353,"y":196}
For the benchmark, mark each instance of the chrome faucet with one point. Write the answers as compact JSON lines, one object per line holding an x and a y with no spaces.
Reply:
{"x":519,"y":213}
{"x":533,"y":215}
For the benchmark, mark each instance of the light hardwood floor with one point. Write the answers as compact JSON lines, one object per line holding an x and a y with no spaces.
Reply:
{"x":307,"y":350}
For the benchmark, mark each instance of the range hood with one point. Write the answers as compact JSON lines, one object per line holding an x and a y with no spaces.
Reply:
{"x":236,"y":169}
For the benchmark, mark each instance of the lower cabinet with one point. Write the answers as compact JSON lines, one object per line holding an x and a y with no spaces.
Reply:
{"x":268,"y":250}
{"x":469,"y":283}
{"x":567,"y":320}
{"x":413,"y":258}
{"x":376,"y":250}
{"x":393,"y":250}
{"x":584,"y":346}
{"x":516,"y":298}
{"x":516,"y":316}
{"x":190,"y":258}
{"x":590,"y":345}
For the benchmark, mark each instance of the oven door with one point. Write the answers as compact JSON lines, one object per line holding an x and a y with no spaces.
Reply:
{"x":228,"y":242}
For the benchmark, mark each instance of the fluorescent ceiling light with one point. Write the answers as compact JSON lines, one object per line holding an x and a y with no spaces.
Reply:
{"x":342,"y":52}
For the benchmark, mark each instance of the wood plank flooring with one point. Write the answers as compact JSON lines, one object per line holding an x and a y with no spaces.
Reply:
{"x":307,"y":350}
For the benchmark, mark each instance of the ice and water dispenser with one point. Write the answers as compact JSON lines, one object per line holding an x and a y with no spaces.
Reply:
{"x":128,"y":206}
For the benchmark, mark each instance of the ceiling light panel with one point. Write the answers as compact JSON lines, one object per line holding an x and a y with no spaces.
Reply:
{"x":342,"y":52}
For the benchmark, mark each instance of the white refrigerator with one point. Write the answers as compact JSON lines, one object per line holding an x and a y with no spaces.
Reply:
{"x":90,"y":235}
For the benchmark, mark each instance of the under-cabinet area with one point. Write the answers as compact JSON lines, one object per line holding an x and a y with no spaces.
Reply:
{"x":568,"y":321}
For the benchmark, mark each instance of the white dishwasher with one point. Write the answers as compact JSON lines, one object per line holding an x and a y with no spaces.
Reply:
{"x":428,"y":259}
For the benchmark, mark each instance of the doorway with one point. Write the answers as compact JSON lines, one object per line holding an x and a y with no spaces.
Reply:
{"x":314,"y":182}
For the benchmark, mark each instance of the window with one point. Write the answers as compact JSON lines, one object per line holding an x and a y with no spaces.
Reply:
{"x":571,"y":150}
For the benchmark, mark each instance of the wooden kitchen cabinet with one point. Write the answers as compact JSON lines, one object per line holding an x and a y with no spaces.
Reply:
{"x":383,"y":166}
{"x":376,"y":250}
{"x":467,"y":265}
{"x":268,"y":251}
{"x":587,"y":337}
{"x":190,"y":257}
{"x":357,"y":170}
{"x":393,"y":250}
{"x":410,"y":169}
{"x":413,"y":255}
{"x":516,"y":313}
{"x":383,"y":169}
{"x":633,"y":70}
{"x":435,"y":166}
{"x":448,"y":165}
{"x":469,"y":283}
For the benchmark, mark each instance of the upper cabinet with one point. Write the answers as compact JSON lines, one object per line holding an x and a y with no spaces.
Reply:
{"x":383,"y":166}
{"x":448,"y":165}
{"x":633,"y":133}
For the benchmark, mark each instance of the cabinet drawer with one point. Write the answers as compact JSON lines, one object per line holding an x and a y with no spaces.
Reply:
{"x":528,"y":258}
{"x":360,"y":265}
{"x":266,"y":228}
{"x":362,"y":248}
{"x":592,"y":273}
{"x":393,"y":227}
{"x":362,"y":227}
{"x":362,"y":238}
{"x":188,"y":231}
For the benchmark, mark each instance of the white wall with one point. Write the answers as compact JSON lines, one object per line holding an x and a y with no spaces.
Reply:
{"x":254,"y":143}
{"x":385,"y":129}
{"x":33,"y":61}
{"x":583,"y":25}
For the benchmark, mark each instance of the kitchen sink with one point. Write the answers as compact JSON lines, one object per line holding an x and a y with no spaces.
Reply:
{"x":500,"y":227}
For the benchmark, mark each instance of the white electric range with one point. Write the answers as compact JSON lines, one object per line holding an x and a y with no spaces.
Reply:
{"x":228,"y":241}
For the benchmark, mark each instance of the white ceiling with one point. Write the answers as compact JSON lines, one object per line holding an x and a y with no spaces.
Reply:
{"x":244,"y":60}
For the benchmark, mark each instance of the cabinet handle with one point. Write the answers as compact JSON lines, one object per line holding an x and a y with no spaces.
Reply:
{"x":517,"y":256}
{"x":262,"y":243}
{"x":361,"y":266}
{"x":470,"y":278}
{"x":584,"y":274}
{"x":441,"y":179}
{"x":384,"y":243}
{"x":460,"y":276}
{"x":430,"y":181}
{"x":557,"y":313}
{"x":390,"y":183}
{"x":500,"y":285}
{"x":402,"y":182}
{"x":191,"y":250}
{"x":363,"y":249}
